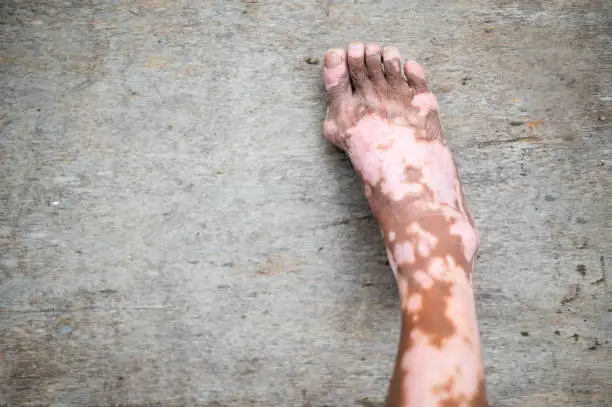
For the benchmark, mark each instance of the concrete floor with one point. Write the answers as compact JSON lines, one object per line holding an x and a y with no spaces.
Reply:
{"x":174,"y":229}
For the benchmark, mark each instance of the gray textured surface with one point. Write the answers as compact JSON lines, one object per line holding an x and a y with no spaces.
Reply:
{"x":175,"y":230}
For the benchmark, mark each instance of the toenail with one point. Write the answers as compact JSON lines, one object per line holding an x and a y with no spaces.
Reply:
{"x":355,"y":48}
{"x":372,"y":49}
{"x":332,"y":59}
{"x":390,"y":53}
{"x":413,"y":68}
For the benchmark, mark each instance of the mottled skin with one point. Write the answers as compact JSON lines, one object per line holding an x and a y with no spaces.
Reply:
{"x":388,"y":124}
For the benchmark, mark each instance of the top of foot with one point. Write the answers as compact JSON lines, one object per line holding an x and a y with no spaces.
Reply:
{"x":387,"y":121}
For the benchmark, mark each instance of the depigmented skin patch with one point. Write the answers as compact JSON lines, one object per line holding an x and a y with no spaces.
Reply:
{"x":403,"y":253}
{"x":425,"y":103}
{"x":415,"y":303}
{"x":477,"y":399}
{"x":390,"y":128}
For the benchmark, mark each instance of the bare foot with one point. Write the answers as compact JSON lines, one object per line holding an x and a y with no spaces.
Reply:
{"x":390,"y":127}
{"x":388,"y":124}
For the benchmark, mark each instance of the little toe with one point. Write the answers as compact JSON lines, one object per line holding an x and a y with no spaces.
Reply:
{"x":336,"y":75}
{"x":415,"y":76}
{"x":373,"y":59}
{"x":357,"y":66}
{"x":391,"y":62}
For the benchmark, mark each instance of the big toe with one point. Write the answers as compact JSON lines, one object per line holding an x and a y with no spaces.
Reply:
{"x":336,"y":75}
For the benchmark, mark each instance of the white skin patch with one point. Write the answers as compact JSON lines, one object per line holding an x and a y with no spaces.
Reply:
{"x":425,"y":102}
{"x":414,"y":303}
{"x":424,"y":240}
{"x":392,"y":236}
{"x":424,"y":247}
{"x":462,"y":228}
{"x":455,"y":359}
{"x":433,"y":159}
{"x":469,"y":237}
{"x":438,"y":269}
{"x":440,"y":177}
{"x":422,"y":279}
{"x":329,"y":127}
{"x":404,"y":253}
{"x":413,"y":67}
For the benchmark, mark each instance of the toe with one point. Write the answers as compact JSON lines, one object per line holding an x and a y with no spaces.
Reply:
{"x":391,"y":62}
{"x":357,"y":66}
{"x":336,"y":75}
{"x":373,"y":59}
{"x":415,"y":76}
